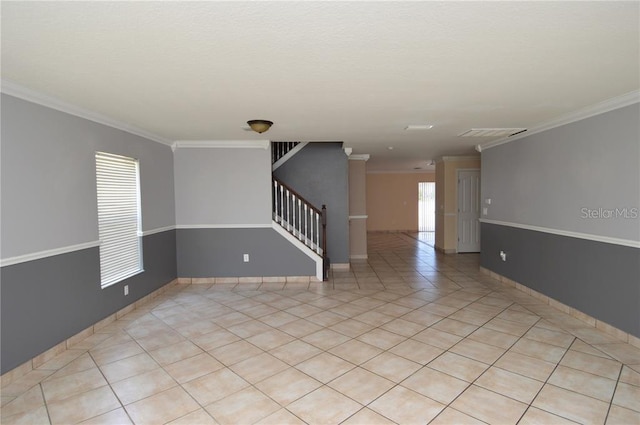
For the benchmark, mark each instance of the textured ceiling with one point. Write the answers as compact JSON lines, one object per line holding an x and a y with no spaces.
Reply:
{"x":356,"y":72}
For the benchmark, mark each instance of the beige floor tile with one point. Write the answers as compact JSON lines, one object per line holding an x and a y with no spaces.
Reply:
{"x":233,"y":409}
{"x":488,"y":406}
{"x":535,"y":416}
{"x":62,"y":359}
{"x":300,"y":328}
{"x":627,"y":396}
{"x":159,"y":340}
{"x":295,"y":352}
{"x":37,"y":416}
{"x":278,"y":319}
{"x":162,"y":407}
{"x":30,"y":400}
{"x":560,"y":339}
{"x":235,"y":352}
{"x":361,"y":385}
{"x":436,"y":385}
{"x":367,"y":416}
{"x":325,"y":318}
{"x":260,"y":367}
{"x":571,"y":405}
{"x":288,"y":386}
{"x":509,"y":384}
{"x":325,"y":339}
{"x":495,"y":338}
{"x":249,"y":328}
{"x":193,"y":367}
{"x":455,"y":327}
{"x":630,"y":376}
{"x":281,"y":417}
{"x":117,"y":416}
{"x":83,"y":362}
{"x":114,"y":353}
{"x":478,"y":351}
{"x":583,"y":383}
{"x":231,"y":319}
{"x":337,"y":407}
{"x":624,"y":353}
{"x":381,"y":338}
{"x":303,"y":310}
{"x":355,"y":351}
{"x":199,"y":417}
{"x":621,"y":416}
{"x":71,"y":385}
{"x":451,"y":416}
{"x":215,"y":339}
{"x":215,"y":386}
{"x":437,"y":338}
{"x":508,"y":327}
{"x":526,"y":366}
{"x":126,"y":368}
{"x":270,"y":339}
{"x":391,"y":366}
{"x":416,"y":351}
{"x":351,"y":328}
{"x":593,"y":364}
{"x":539,"y":350}
{"x":403,"y":327}
{"x":176,"y":352}
{"x":325,"y":367}
{"x":82,"y":406}
{"x":404,"y":406}
{"x":458,"y":366}
{"x":583,"y":347}
{"x":143,"y":385}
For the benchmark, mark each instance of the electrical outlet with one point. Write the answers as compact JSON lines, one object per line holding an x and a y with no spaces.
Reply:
{"x":126,"y":290}
{"x":245,"y":258}
{"x":503,"y":256}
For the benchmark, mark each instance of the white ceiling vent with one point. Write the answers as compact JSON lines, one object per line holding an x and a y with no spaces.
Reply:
{"x":492,"y":132}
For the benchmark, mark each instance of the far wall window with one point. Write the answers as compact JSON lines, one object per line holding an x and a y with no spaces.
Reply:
{"x":426,"y":207}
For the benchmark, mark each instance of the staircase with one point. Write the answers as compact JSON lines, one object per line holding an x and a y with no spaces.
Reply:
{"x":294,"y":214}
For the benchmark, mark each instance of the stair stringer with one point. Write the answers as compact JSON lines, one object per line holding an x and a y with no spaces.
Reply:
{"x":288,"y":155}
{"x":302,"y":247}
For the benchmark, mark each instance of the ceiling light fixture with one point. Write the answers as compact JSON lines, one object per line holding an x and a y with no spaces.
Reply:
{"x":419,"y":127}
{"x":260,"y":126}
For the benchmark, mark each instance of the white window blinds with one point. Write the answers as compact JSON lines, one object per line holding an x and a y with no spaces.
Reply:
{"x":118,"y":217}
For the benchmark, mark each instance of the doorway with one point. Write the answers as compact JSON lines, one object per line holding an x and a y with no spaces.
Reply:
{"x":427,"y":212}
{"x":468,"y":211}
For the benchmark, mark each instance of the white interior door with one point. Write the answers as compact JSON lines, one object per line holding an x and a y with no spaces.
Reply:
{"x":469,"y":211}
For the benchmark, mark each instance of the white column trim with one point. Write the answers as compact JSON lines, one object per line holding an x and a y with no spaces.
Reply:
{"x":221,"y":144}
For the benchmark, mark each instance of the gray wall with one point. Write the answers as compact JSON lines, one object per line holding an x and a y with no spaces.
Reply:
{"x":49,"y":201}
{"x":320,"y":173}
{"x":546,"y":180}
{"x":222,"y":186}
{"x":49,"y":183}
{"x":218,"y":252}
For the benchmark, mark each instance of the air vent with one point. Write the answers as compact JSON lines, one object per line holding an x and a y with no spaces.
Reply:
{"x":492,"y":132}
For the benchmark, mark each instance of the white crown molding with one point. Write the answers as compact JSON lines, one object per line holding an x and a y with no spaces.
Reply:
{"x":347,"y":151}
{"x":401,"y":172}
{"x":590,"y":111}
{"x":458,"y":158}
{"x":222,"y":226}
{"x":221,"y":144}
{"x":359,"y":157}
{"x":158,"y":230}
{"x":47,"y":253}
{"x":578,"y":235}
{"x":16,"y":90}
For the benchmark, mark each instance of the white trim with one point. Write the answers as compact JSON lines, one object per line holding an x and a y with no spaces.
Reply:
{"x":358,"y":217}
{"x":224,"y":144}
{"x":359,"y":257}
{"x":223,"y":226}
{"x":568,"y":233}
{"x":590,"y":111}
{"x":21,"y":92}
{"x":302,"y":247}
{"x":347,"y":151}
{"x":359,"y":157}
{"x":47,"y":253}
{"x":421,"y":171}
{"x":158,"y":230}
{"x":458,"y":158}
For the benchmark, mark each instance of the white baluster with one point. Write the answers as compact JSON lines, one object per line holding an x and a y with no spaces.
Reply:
{"x":288,"y":210}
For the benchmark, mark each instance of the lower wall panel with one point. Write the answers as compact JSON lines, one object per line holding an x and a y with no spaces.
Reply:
{"x":46,"y":301}
{"x":597,"y":278}
{"x":219,"y":253}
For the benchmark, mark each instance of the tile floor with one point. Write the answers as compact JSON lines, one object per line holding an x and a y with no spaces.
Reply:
{"x":409,"y":337}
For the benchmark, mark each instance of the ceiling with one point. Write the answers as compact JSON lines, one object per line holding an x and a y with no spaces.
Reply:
{"x":358,"y":72}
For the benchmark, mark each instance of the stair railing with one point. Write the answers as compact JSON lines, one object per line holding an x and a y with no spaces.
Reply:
{"x":301,"y":219}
